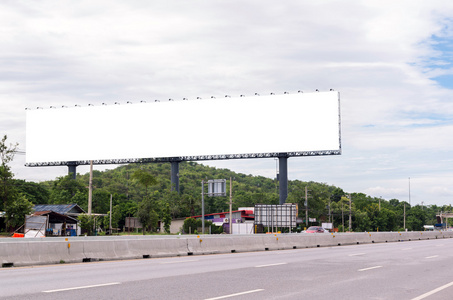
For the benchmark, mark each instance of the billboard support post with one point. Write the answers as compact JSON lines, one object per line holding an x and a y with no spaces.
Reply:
{"x":175,"y":175}
{"x":72,"y":167}
{"x":283,"y":176}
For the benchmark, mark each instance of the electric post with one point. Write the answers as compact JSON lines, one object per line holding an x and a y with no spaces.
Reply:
{"x":350,"y":210}
{"x":306,"y":206}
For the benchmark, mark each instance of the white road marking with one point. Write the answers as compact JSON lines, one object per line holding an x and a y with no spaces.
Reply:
{"x":82,"y":287}
{"x":178,"y":261}
{"x":356,"y":254}
{"x":237,"y":294}
{"x":270,"y":265}
{"x":432,"y":256}
{"x":433,"y":291}
{"x":370,"y":268}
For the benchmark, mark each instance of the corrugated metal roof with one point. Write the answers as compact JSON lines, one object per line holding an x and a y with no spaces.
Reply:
{"x":55,"y":217}
{"x":59,"y":208}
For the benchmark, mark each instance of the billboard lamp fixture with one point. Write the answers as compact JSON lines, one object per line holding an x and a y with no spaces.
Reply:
{"x":227,"y":96}
{"x":117,"y":103}
{"x":317,"y":90}
{"x":242,"y":96}
{"x":185,"y":99}
{"x":129,"y":102}
{"x":212,"y":97}
{"x":299,"y":91}
{"x":332,"y":90}
{"x":38,"y":107}
{"x":198,"y":97}
{"x":90,"y":104}
{"x":170,"y":99}
{"x":77,"y":105}
{"x":103,"y":103}
{"x":61,"y":106}
{"x":143,"y":101}
{"x":272,"y":93}
{"x":256,"y":94}
{"x":285,"y":93}
{"x":156,"y":100}
{"x":52,"y":107}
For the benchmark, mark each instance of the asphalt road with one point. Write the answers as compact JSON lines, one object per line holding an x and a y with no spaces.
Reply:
{"x":406,"y":270}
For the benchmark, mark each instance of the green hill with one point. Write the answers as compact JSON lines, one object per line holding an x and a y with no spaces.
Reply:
{"x":129,"y":195}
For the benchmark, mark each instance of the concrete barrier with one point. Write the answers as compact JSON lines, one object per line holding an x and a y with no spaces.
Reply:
{"x":23,"y":252}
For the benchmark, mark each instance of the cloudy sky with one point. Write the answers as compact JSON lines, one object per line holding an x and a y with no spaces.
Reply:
{"x":391,"y":61}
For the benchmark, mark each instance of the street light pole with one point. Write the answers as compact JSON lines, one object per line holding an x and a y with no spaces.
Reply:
{"x":231,"y":207}
{"x":350,"y":210}
{"x":90,"y":189}
{"x":202,"y":207}
{"x":306,"y":206}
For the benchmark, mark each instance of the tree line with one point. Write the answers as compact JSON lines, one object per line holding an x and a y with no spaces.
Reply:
{"x":145,"y":191}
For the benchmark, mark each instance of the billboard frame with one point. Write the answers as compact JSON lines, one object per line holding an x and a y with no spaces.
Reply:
{"x":175,"y":160}
{"x":312,"y":111}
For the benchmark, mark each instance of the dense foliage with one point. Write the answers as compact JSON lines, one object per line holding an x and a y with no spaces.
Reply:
{"x":14,"y":197}
{"x":136,"y":193}
{"x":144,"y":191}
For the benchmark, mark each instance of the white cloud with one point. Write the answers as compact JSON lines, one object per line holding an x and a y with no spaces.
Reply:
{"x":396,"y":121}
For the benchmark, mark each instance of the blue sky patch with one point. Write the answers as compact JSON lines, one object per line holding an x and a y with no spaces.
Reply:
{"x":445,"y":81}
{"x":443,"y":61}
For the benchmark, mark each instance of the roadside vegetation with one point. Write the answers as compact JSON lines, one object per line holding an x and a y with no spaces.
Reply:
{"x":144,"y":191}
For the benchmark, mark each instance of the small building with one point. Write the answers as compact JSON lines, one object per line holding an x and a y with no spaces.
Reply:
{"x":244,"y":215}
{"x":72,"y":210}
{"x":62,"y":218}
{"x":238,"y":216}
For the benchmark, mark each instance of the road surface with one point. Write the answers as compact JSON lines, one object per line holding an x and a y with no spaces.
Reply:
{"x":405,"y":270}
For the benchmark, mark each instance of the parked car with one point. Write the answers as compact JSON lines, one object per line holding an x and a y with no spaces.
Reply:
{"x":316,"y":229}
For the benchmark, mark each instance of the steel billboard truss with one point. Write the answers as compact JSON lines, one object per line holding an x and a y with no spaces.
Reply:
{"x":185,"y":158}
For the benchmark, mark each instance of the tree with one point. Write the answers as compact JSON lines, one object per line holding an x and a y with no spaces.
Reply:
{"x":166,"y":217}
{"x":35,"y":192}
{"x":16,"y":210}
{"x":191,"y":225}
{"x":147,"y":215}
{"x":144,"y":178}
{"x":7,"y":190}
{"x":66,"y":190}
{"x":86,"y":223}
{"x":145,"y":211}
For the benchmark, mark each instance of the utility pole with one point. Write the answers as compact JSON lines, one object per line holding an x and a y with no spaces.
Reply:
{"x":90,"y":189}
{"x":231,"y":207}
{"x":306,"y":206}
{"x":404,"y":222}
{"x":110,"y":223}
{"x":329,"y":211}
{"x":350,"y":210}
{"x":342,"y":216}
{"x":202,"y":207}
{"x":409,"y":191}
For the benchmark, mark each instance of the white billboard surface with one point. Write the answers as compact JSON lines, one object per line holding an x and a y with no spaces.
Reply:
{"x":261,"y":124}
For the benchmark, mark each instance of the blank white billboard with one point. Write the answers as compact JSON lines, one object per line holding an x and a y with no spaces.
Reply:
{"x":261,"y":124}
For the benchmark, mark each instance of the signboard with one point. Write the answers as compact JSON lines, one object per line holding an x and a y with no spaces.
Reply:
{"x":191,"y":130}
{"x":35,"y":226}
{"x":217,"y":187}
{"x":270,"y":215}
{"x":327,"y":225}
{"x":132,"y":222}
